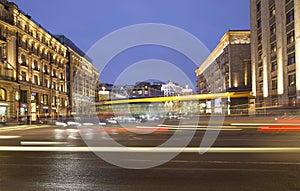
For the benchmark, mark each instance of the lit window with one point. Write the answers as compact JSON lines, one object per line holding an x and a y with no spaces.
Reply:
{"x":290,"y":37}
{"x":292,"y":79}
{"x":2,"y":95}
{"x":273,"y":48}
{"x":272,"y":11}
{"x":273,"y":29}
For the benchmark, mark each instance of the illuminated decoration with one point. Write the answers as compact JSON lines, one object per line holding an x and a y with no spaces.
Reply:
{"x":265,"y":77}
{"x":280,"y":75}
{"x":2,"y":95}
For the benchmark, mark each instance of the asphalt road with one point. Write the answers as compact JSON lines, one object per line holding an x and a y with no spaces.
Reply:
{"x":240,"y":159}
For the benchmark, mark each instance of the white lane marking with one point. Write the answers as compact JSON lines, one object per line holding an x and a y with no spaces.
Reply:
{"x":41,"y":143}
{"x":265,"y":124}
{"x":9,"y":136}
{"x":154,"y":149}
{"x":211,"y":128}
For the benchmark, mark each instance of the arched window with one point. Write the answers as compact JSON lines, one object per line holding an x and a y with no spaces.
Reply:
{"x":23,"y":59}
{"x":2,"y":94}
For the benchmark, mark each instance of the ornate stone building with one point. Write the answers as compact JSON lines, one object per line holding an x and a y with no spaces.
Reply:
{"x":37,"y":70}
{"x":33,"y":67}
{"x":227,"y":68}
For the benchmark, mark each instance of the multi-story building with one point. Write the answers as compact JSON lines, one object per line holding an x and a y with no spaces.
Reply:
{"x":82,"y":79}
{"x":32,"y":68}
{"x":174,"y":89}
{"x":227,"y":68}
{"x":275,"y":50}
{"x":38,"y":71}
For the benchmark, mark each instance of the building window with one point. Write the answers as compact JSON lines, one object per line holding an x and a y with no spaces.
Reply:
{"x":258,"y":23}
{"x":45,"y":99}
{"x":272,"y":11}
{"x":274,"y":66}
{"x":54,"y":85}
{"x":290,"y":16}
{"x":258,"y":6}
{"x":259,"y":39}
{"x":290,"y":37}
{"x":35,"y":65}
{"x":273,"y":48}
{"x":23,"y":96}
{"x":260,"y":72}
{"x":23,"y":76}
{"x":45,"y":70}
{"x":292,"y":79}
{"x":46,"y":84}
{"x":35,"y":79}
{"x":291,"y":58}
{"x":2,"y":95}
{"x":261,"y":87}
{"x":23,"y":60}
{"x":53,"y":73}
{"x":273,"y":29}
{"x":274,"y":84}
{"x":61,"y":76}
{"x":260,"y":56}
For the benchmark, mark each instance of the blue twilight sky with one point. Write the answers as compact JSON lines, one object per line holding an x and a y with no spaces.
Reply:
{"x":85,"y":22}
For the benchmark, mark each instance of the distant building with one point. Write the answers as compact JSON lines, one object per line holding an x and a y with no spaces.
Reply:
{"x":228,"y":67}
{"x":275,"y":49}
{"x":173,"y":89}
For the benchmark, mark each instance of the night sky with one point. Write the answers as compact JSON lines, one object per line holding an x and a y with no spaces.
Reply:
{"x":86,"y":22}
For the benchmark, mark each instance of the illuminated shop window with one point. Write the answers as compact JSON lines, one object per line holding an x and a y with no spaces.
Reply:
{"x":2,"y":95}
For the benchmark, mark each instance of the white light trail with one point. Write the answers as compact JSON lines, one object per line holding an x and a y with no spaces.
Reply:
{"x":41,"y":143}
{"x":154,"y":149}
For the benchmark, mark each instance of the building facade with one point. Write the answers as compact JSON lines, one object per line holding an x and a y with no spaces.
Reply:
{"x":226,"y":69}
{"x":32,"y":68}
{"x":37,"y":70}
{"x":275,"y":50}
{"x":82,"y":79}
